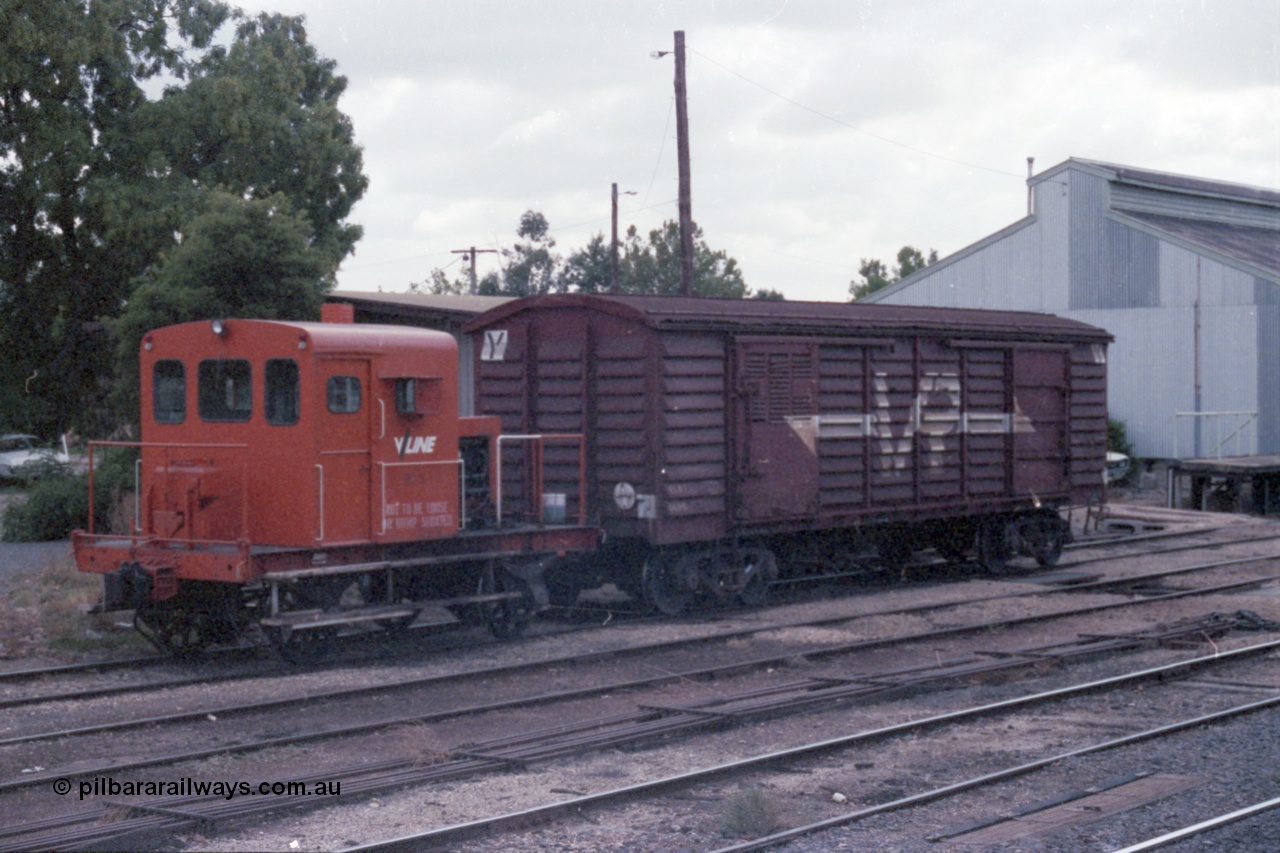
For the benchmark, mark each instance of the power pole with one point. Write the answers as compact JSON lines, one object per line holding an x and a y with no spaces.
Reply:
{"x":682,"y":155}
{"x":613,"y":252}
{"x":472,"y":252}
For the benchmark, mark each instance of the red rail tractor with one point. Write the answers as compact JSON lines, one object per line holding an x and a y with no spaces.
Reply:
{"x":311,"y":477}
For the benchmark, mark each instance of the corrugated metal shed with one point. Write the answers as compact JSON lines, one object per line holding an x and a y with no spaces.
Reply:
{"x":1185,"y":271}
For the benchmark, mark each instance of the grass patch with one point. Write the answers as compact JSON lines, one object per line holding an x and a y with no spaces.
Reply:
{"x":45,"y":615}
{"x":748,"y":813}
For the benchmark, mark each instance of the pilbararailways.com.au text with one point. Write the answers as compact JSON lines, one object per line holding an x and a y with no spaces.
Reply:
{"x":109,"y":786}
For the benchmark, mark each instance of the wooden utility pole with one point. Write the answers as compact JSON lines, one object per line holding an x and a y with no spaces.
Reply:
{"x":613,"y":247}
{"x":682,"y":155}
{"x":472,"y":252}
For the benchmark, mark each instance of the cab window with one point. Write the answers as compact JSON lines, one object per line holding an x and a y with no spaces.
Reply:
{"x":343,"y":394}
{"x":281,"y":387}
{"x":169,"y":392}
{"x":225,"y":389}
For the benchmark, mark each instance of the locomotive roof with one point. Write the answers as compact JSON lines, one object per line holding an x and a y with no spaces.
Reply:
{"x":331,"y":336}
{"x":787,"y":317}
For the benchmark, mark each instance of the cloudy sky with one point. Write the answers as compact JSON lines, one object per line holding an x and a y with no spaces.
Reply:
{"x":822,"y":131}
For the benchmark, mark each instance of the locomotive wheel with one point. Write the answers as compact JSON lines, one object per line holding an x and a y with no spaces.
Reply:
{"x":1043,"y":536}
{"x":660,"y":583}
{"x":997,"y":540}
{"x":181,"y":633}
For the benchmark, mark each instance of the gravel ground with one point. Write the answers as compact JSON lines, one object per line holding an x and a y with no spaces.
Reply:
{"x":690,"y":820}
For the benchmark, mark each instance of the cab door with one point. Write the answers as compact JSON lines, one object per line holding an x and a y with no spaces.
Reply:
{"x":343,"y":471}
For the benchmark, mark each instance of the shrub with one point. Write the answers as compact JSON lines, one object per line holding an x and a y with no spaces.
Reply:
{"x":58,"y":502}
{"x":1118,"y":441}
{"x":748,"y":813}
{"x":53,"y":508}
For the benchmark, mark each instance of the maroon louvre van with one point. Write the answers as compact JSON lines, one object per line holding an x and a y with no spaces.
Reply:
{"x":726,"y":441}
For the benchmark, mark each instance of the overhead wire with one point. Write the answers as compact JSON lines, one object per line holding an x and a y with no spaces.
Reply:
{"x":849,"y":126}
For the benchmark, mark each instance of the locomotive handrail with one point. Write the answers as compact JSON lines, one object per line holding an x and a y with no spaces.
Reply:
{"x":137,"y":476}
{"x":537,"y":440}
{"x":320,"y":493}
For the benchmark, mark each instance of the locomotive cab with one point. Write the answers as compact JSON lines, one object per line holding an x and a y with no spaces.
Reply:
{"x":299,"y":435}
{"x":280,"y":463}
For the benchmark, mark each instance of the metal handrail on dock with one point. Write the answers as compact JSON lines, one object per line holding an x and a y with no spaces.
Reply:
{"x":1244,"y":434}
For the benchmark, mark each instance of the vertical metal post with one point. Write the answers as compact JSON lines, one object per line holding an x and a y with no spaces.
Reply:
{"x":613,"y":250}
{"x":682,"y":153}
{"x":1199,"y":397}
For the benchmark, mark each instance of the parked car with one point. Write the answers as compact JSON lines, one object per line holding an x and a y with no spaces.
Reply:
{"x":22,"y":458}
{"x":1117,"y":466}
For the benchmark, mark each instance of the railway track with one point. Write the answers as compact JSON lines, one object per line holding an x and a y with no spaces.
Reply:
{"x":13,"y":697}
{"x":443,"y":682}
{"x":1203,"y":827}
{"x":1141,"y":579}
{"x":138,"y":823}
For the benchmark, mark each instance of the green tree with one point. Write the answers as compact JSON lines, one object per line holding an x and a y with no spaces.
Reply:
{"x":95,"y":179}
{"x":649,"y":266}
{"x":589,"y":270}
{"x":69,"y":91}
{"x":238,"y":258}
{"x":653,"y":267}
{"x":876,"y":276}
{"x":529,"y":267}
{"x":261,"y":117}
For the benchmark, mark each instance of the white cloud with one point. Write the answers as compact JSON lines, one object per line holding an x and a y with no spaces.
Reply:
{"x":471,"y":113}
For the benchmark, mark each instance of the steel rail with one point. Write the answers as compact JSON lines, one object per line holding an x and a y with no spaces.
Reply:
{"x":1086,"y":586}
{"x":1203,"y":826}
{"x":151,"y":660}
{"x":1158,"y":552}
{"x":245,"y":746}
{"x":601,"y":733}
{"x":1009,"y":773}
{"x":138,"y":688}
{"x":462,"y":831}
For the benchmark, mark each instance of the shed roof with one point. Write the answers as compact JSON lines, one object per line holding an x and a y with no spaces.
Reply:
{"x":419,"y":305}
{"x":1257,"y":246}
{"x":803,"y":318}
{"x":1169,"y":181}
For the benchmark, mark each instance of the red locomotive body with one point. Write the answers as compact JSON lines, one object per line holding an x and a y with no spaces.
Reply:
{"x":281,"y":463}
{"x":730,"y":438}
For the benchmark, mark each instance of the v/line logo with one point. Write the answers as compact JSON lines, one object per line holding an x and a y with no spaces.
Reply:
{"x":410,"y":445}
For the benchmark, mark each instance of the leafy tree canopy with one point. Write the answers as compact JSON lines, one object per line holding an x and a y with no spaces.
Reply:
{"x":237,"y":258}
{"x":645,"y":266}
{"x":875,"y":275}
{"x":96,"y":180}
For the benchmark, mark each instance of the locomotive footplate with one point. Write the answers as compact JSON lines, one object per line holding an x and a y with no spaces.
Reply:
{"x":492,"y":578}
